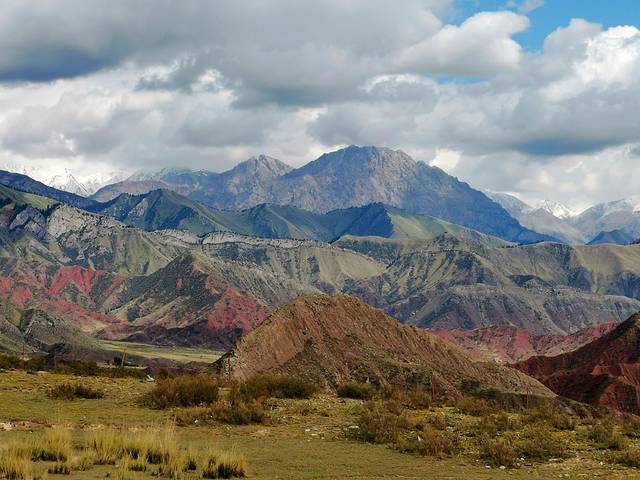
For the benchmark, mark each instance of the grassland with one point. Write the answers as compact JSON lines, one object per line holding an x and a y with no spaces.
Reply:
{"x":177,"y":354}
{"x":304,"y":439}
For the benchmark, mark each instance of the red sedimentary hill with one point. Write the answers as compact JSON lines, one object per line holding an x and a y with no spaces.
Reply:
{"x":509,"y":344}
{"x":605,"y":371}
{"x":336,"y":339}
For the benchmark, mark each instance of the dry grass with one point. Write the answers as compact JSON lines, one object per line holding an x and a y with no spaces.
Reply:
{"x":428,"y":442}
{"x":224,"y":465}
{"x":15,"y":462}
{"x":498,"y":451}
{"x":55,"y":447}
{"x":605,"y":435}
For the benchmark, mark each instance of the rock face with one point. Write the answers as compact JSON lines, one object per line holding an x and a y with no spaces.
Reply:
{"x":509,"y":344}
{"x":605,"y":371}
{"x":337,"y":339}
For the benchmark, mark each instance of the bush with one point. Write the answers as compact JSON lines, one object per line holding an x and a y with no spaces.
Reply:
{"x":428,"y":442}
{"x":269,"y":386}
{"x":71,"y":391}
{"x":233,"y":412}
{"x":498,"y":451}
{"x":629,"y":458}
{"x":494,"y":424}
{"x":605,"y":436}
{"x":472,"y":406}
{"x":381,"y":422}
{"x":547,"y":413}
{"x":183,"y":391}
{"x":358,"y":391}
{"x":540,"y":443}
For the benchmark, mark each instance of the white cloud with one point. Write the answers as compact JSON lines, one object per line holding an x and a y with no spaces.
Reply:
{"x":207,"y":84}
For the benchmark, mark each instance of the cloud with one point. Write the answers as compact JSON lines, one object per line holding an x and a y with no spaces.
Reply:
{"x":207,"y":84}
{"x":481,"y":45}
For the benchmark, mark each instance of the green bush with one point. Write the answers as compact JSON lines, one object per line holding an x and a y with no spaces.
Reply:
{"x":71,"y":391}
{"x":183,"y":391}
{"x":358,"y":391}
{"x":539,"y":442}
{"x":428,"y":442}
{"x":271,"y":386}
{"x":604,"y":435}
{"x":498,"y":451}
{"x":381,"y":422}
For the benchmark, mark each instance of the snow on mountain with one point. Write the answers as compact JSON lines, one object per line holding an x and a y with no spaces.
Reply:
{"x":84,"y":185}
{"x":556,"y":209}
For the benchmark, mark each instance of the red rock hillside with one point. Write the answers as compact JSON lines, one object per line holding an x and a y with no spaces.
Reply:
{"x":333,"y":340}
{"x":509,"y":344}
{"x":603,"y":372}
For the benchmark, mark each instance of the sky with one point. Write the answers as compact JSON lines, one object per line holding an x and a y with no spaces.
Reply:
{"x":532,"y":97}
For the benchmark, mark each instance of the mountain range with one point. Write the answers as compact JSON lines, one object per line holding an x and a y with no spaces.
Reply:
{"x":350,"y":177}
{"x":613,"y":222}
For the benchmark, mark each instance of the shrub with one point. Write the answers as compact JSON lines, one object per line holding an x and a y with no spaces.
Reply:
{"x":183,"y":391}
{"x":71,"y":391}
{"x":381,"y":422}
{"x":498,"y":451}
{"x":225,"y":465}
{"x":472,"y":406}
{"x":547,"y":413}
{"x":605,"y":436}
{"x":540,"y":443}
{"x":233,"y":412}
{"x":428,"y":442}
{"x":358,"y":391}
{"x":629,"y":457}
{"x":270,"y":386}
{"x":496,"y":423}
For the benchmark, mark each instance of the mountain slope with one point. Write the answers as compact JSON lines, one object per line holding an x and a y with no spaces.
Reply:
{"x":546,"y":288}
{"x":165,"y":209}
{"x":603,"y":372}
{"x":619,"y":237}
{"x":333,"y":340}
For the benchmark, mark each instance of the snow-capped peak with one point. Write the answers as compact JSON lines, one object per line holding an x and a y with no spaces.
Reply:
{"x":556,"y":209}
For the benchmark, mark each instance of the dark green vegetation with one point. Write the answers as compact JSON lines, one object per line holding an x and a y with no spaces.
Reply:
{"x":71,"y":391}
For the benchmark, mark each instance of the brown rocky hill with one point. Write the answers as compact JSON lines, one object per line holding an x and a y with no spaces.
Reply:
{"x":509,"y":344}
{"x":337,"y":339}
{"x":603,"y":372}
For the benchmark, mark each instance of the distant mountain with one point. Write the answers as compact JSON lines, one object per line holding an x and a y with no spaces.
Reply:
{"x":556,"y":209}
{"x":23,"y":183}
{"x":86,"y":186}
{"x":351,"y":177}
{"x":230,"y":190}
{"x":549,"y":218}
{"x":619,"y":237}
{"x":605,"y":371}
{"x":164,"y":209}
{"x":334,"y":340}
{"x":622,"y":216}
